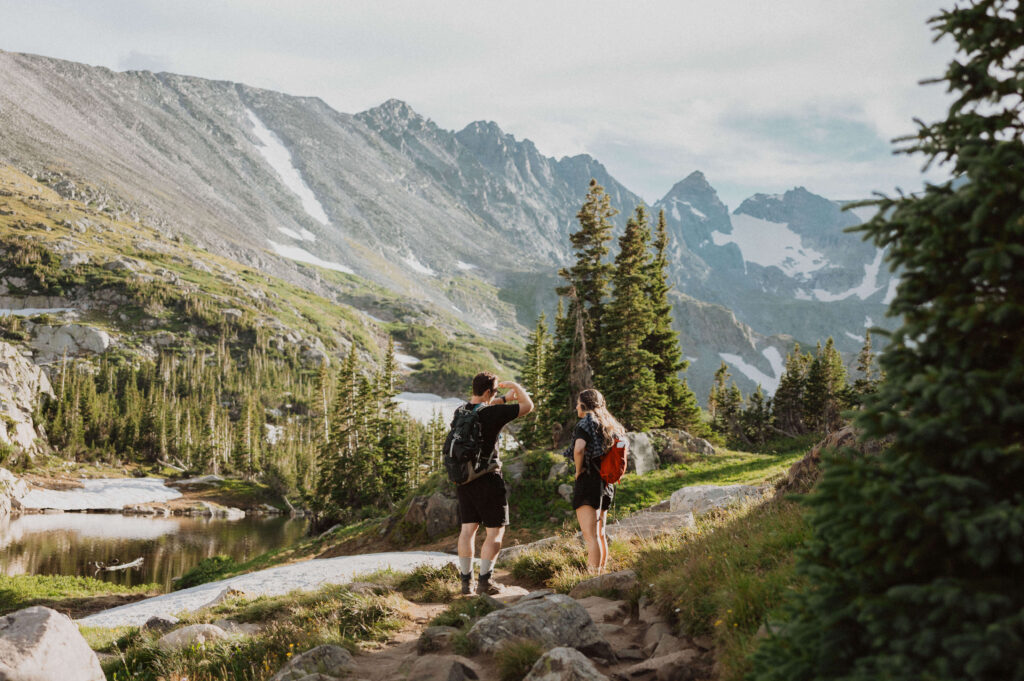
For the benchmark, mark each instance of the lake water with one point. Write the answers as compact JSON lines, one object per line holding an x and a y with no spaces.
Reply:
{"x":71,"y":543}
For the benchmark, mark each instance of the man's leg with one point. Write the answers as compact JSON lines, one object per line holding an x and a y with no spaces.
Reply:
{"x":488,"y":554}
{"x":602,"y":538}
{"x":587,"y":517}
{"x":467,"y":539}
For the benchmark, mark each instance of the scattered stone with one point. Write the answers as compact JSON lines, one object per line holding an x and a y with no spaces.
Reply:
{"x":604,"y":609}
{"x":608,"y":629}
{"x":435,"y":638}
{"x":674,"y":444}
{"x":666,"y":645}
{"x":514,"y":470}
{"x":554,"y":620}
{"x":703,"y":642}
{"x":233,"y":313}
{"x":564,"y":664}
{"x":700,"y":499}
{"x":654,"y":634}
{"x":632,"y":653}
{"x":238,"y":628}
{"x":565,"y":491}
{"x":621,"y":582}
{"x":227,"y":593}
{"x":39,"y":643}
{"x":193,"y":635}
{"x":539,"y":593}
{"x":73,"y":259}
{"x":655,"y":664}
{"x":443,"y":668}
{"x":330,"y":661}
{"x":649,"y":613}
{"x":159,"y":624}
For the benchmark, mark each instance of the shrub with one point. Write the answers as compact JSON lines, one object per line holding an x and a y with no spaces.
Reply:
{"x":516,"y":658}
{"x":206,"y":570}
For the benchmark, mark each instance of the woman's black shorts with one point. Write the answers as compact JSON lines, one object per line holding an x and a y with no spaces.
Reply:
{"x":483,"y":501}
{"x":591,"y":490}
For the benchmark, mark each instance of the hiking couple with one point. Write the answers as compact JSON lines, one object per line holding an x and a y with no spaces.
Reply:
{"x":480,"y":489}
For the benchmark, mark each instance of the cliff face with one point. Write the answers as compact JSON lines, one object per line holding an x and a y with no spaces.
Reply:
{"x":21,"y":385}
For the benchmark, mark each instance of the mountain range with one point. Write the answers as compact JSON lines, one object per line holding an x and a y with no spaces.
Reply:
{"x":473,"y":223}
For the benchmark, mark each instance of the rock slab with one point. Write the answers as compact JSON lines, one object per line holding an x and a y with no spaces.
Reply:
{"x":329,"y":661}
{"x":564,"y":664}
{"x":193,"y":635}
{"x":553,"y":621}
{"x":21,"y":383}
{"x":38,"y":643}
{"x":699,"y":499}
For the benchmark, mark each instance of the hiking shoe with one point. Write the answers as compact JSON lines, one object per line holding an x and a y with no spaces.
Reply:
{"x":486,"y":586}
{"x":467,"y":586}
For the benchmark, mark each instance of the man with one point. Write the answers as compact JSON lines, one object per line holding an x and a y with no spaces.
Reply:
{"x":484,"y":500}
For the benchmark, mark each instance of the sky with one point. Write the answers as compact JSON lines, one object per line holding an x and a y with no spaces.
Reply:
{"x":760,"y":96}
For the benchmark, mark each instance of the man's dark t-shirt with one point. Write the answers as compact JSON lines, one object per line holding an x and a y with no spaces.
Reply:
{"x":492,"y":420}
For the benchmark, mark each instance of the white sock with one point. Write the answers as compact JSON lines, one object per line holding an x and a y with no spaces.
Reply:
{"x":485,"y":566}
{"x":465,"y":565}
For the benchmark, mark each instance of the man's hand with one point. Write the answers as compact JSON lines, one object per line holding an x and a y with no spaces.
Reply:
{"x":519,"y":395}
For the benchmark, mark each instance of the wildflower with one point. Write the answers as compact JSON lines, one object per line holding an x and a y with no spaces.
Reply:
{"x":718,"y":623}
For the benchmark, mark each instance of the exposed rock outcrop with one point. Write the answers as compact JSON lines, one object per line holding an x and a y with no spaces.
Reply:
{"x":700,"y":499}
{"x":564,"y":664}
{"x":40,"y":643}
{"x":193,"y":635}
{"x":553,"y":620}
{"x":12,"y":489}
{"x":50,"y":343}
{"x":329,"y":661}
{"x":672,"y":445}
{"x":21,"y":384}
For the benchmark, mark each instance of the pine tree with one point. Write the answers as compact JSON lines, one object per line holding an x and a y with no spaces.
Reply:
{"x":627,"y":378}
{"x":538,"y":347}
{"x":590,"y":275}
{"x":681,"y":407}
{"x":757,"y":417}
{"x":914,"y":565}
{"x":557,"y":407}
{"x":868,"y":380}
{"x":788,"y":401}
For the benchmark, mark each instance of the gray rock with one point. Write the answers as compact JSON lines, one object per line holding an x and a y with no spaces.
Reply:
{"x":564,"y":664}
{"x":192,"y":635}
{"x":514,"y":470}
{"x":443,"y":668}
{"x":558,"y":470}
{"x":330,"y":661}
{"x":160,"y":624}
{"x":646,"y":525}
{"x":73,"y":259}
{"x":642,"y":458}
{"x":553,"y":621}
{"x":38,"y":643}
{"x":672,"y":662}
{"x":621,"y":582}
{"x":442,"y":514}
{"x":674,"y":445}
{"x":700,"y":499}
{"x":655,"y":632}
{"x":53,"y":342}
{"x":604,"y":609}
{"x":21,"y":384}
{"x":565,"y":491}
{"x":12,"y":489}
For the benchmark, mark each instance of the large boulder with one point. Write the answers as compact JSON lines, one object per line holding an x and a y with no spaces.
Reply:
{"x":676,"y":446}
{"x":194,"y":635}
{"x":329,"y":661}
{"x":700,"y":499}
{"x":442,"y":514}
{"x":564,"y":664}
{"x":53,"y":342}
{"x":554,"y":620}
{"x":38,"y":643}
{"x":443,"y":668}
{"x":622,"y":582}
{"x":21,"y":384}
{"x":642,"y":457}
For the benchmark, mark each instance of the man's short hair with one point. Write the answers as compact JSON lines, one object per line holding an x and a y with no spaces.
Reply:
{"x":483,"y":382}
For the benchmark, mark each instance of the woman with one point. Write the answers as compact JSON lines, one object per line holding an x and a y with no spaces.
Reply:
{"x":592,"y":497}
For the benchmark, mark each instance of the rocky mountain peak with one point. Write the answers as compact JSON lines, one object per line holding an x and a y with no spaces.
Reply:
{"x":802,"y":210}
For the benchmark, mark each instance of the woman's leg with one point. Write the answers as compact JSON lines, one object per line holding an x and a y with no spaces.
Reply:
{"x":602,"y":538}
{"x":587,"y":517}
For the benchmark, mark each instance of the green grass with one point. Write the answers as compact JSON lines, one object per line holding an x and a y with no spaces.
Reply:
{"x":60,"y":592}
{"x":516,"y":658}
{"x":462,"y":613}
{"x":293,"y":623}
{"x":725,"y":578}
{"x":206,"y":570}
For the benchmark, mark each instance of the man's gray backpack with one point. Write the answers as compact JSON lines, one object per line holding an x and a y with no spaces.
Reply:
{"x":462,"y":447}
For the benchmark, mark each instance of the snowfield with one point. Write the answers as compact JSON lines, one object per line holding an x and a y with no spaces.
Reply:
{"x":280,"y":159}
{"x":304,"y":576}
{"x":101,"y":494}
{"x":302,"y":255}
{"x":423,"y":406}
{"x":771,"y":244}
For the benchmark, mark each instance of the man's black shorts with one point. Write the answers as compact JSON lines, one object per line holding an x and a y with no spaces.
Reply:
{"x":483,"y":501}
{"x":591,"y":490}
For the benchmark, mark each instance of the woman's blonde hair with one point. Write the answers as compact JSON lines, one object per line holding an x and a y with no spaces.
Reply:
{"x":593,"y":401}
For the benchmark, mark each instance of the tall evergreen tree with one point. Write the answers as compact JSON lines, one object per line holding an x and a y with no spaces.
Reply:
{"x":557,"y":407}
{"x":914,"y":567}
{"x":538,"y":347}
{"x":627,"y":378}
{"x":681,"y":407}
{"x":591,"y":275}
{"x":867,"y":381}
{"x":788,"y":401}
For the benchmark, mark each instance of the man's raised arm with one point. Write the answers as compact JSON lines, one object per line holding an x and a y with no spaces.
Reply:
{"x":520,"y":395}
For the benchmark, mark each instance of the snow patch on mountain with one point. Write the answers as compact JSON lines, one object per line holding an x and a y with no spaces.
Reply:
{"x":890,"y":293}
{"x":853,"y":336}
{"x":465,"y":266}
{"x":868,"y":322}
{"x":304,"y":235}
{"x":774,"y":358}
{"x":771,"y":244}
{"x":417,"y":266}
{"x":864,"y":290}
{"x":280,"y":159}
{"x":768,"y":383}
{"x":101,"y":494}
{"x":302,"y":255}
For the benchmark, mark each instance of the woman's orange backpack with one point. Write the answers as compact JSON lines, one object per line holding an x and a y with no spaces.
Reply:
{"x":613,"y":463}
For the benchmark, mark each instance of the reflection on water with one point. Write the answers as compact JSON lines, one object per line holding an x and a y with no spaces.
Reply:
{"x":66,"y":543}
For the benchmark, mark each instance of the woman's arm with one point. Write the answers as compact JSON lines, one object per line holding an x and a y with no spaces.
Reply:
{"x":579,"y":447}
